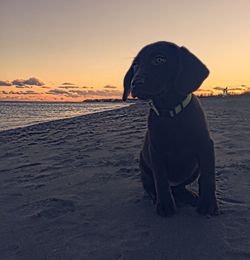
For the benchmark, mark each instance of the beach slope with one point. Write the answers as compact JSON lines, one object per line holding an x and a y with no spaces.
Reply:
{"x":71,"y":189}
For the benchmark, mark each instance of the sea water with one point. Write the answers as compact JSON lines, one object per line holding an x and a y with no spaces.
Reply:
{"x":21,"y":114}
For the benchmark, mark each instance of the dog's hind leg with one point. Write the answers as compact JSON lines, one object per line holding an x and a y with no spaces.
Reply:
{"x":147,"y":179}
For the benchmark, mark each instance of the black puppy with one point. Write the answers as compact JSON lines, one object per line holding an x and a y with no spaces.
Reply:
{"x":178,"y":148}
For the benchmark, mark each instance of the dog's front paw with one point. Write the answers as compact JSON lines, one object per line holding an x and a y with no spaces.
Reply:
{"x":208,"y":206}
{"x":166,"y":207}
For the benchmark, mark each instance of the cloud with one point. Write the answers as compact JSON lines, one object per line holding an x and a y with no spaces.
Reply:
{"x":79,"y":92}
{"x":110,"y":87}
{"x":67,"y":83}
{"x":84,"y":93}
{"x":74,"y":86}
{"x":219,"y":88}
{"x":105,"y":93}
{"x":204,"y":90}
{"x":18,"y":82}
{"x":28,"y":92}
{"x":57,"y":92}
{"x":24,"y":86}
{"x":61,"y":92}
{"x":31,"y":81}
{"x":5,"y":83}
{"x":236,"y":89}
{"x":34,"y":81}
{"x":68,"y":87}
{"x":245,"y":87}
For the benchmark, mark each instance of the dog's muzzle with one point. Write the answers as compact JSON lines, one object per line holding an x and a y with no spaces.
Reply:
{"x":137,"y":85}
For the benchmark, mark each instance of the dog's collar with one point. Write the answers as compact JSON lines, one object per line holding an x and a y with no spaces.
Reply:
{"x":173,"y":112}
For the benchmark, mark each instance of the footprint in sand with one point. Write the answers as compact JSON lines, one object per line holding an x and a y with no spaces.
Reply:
{"x":49,"y":208}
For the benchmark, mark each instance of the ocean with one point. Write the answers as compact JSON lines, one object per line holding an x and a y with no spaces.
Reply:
{"x":20,"y":114}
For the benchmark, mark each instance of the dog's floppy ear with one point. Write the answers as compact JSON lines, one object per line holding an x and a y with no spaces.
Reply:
{"x":127,"y":83}
{"x":192,"y":72}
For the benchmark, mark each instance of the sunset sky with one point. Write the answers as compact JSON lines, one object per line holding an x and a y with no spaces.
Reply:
{"x":61,"y":50}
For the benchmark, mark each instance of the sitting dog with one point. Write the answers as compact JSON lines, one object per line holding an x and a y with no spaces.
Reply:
{"x":177,"y":148}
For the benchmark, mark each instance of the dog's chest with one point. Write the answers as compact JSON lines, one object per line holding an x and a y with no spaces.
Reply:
{"x":170,"y":137}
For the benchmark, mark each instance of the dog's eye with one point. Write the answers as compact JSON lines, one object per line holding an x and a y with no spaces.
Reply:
{"x":159,"y":60}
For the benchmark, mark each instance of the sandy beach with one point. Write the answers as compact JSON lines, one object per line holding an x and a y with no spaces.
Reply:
{"x":71,"y":189}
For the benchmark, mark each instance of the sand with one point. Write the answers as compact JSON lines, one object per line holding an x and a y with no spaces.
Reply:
{"x":70,"y":189}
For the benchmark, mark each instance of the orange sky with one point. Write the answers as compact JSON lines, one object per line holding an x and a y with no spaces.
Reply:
{"x":91,"y":43}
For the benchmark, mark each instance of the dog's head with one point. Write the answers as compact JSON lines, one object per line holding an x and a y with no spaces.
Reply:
{"x":162,"y":67}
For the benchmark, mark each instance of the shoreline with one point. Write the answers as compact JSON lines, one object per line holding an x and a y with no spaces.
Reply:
{"x":202,"y":99}
{"x":71,"y":189}
{"x":65,"y":118}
